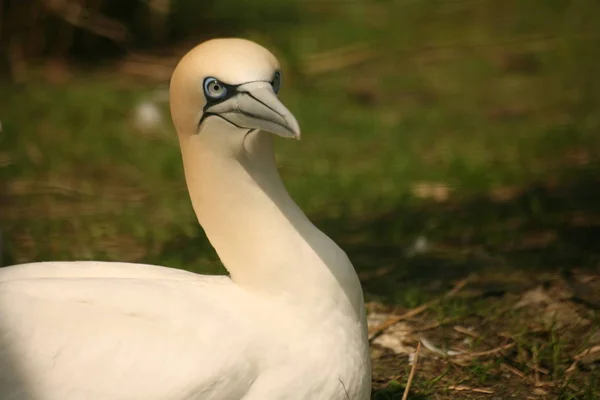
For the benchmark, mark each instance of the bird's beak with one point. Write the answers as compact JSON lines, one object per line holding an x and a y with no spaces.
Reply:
{"x":256,"y":106}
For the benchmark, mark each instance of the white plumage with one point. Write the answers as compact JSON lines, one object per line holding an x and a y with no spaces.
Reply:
{"x":288,"y":324}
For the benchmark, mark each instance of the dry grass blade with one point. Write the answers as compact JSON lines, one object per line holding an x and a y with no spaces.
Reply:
{"x":376,"y":330}
{"x":465,"y":331}
{"x":76,"y":15}
{"x":590,"y":351}
{"x":572,"y":368}
{"x":412,"y":372}
{"x":463,"y":388}
{"x":587,"y":356}
{"x":334,"y":60}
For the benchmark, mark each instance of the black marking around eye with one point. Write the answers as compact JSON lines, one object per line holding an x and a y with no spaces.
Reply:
{"x":276,"y":81}
{"x":232,"y":91}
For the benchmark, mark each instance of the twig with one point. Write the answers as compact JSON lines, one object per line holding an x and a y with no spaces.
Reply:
{"x":536,"y":373}
{"x":539,"y":369}
{"x":486,"y":353}
{"x":376,"y":330}
{"x":412,"y":372}
{"x":513,"y":370}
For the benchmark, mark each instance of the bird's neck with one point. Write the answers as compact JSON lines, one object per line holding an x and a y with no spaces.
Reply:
{"x":262,"y":237}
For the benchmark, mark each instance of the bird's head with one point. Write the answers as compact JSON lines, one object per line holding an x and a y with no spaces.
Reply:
{"x":229,"y":87}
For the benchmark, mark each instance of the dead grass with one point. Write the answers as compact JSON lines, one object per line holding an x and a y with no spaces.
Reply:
{"x":528,"y":345}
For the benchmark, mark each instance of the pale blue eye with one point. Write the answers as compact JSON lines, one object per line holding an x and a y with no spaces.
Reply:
{"x":276,"y":82}
{"x":214,"y":89}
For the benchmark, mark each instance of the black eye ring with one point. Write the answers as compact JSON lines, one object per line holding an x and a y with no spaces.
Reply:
{"x":276,"y":82}
{"x":214,"y":89}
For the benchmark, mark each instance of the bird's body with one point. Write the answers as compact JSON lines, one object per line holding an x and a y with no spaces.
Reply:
{"x":289,"y":324}
{"x":91,"y":330}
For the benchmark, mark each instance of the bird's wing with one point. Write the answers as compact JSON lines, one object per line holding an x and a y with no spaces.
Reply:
{"x":135,"y":336}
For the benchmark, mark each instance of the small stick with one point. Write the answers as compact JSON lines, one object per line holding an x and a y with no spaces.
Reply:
{"x":539,"y":369}
{"x":412,"y":372}
{"x":462,"y":388}
{"x":513,"y":370}
{"x":591,"y":350}
{"x":488,"y":352}
{"x":465,"y":331}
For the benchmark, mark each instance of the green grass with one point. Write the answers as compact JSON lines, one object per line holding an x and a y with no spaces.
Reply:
{"x":493,"y":103}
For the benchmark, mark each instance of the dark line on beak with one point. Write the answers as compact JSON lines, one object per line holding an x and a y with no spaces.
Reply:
{"x":262,"y":119}
{"x":264,"y":104}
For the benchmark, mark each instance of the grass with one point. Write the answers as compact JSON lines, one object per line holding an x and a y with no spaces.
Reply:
{"x":469,"y":127}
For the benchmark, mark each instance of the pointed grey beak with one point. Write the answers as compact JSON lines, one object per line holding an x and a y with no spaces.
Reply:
{"x":256,"y":106}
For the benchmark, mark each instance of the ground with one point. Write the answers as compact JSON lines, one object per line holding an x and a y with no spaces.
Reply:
{"x":459,"y":171}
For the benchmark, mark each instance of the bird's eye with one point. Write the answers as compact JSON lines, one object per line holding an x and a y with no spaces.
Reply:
{"x":214,"y":89}
{"x":276,"y":82}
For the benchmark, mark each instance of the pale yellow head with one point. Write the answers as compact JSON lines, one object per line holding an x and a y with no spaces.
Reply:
{"x":229,"y":87}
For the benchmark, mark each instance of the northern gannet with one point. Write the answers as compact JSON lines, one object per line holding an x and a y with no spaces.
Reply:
{"x":287,"y":324}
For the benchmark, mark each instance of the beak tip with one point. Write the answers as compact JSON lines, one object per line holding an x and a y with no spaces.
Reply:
{"x":295,"y":128}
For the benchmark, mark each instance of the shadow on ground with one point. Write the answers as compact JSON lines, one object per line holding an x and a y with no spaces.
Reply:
{"x":547,"y":227}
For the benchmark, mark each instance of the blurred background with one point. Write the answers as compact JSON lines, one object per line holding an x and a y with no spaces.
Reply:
{"x":442,"y":139}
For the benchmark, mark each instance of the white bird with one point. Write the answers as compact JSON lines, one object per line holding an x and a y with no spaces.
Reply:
{"x":287,"y":324}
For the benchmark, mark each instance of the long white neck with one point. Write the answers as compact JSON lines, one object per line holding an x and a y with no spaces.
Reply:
{"x":263,"y":238}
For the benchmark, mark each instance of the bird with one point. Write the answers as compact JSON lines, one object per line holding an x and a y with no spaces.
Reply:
{"x":287,"y":322}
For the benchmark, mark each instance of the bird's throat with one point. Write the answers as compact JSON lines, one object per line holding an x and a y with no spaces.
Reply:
{"x":262,"y":237}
